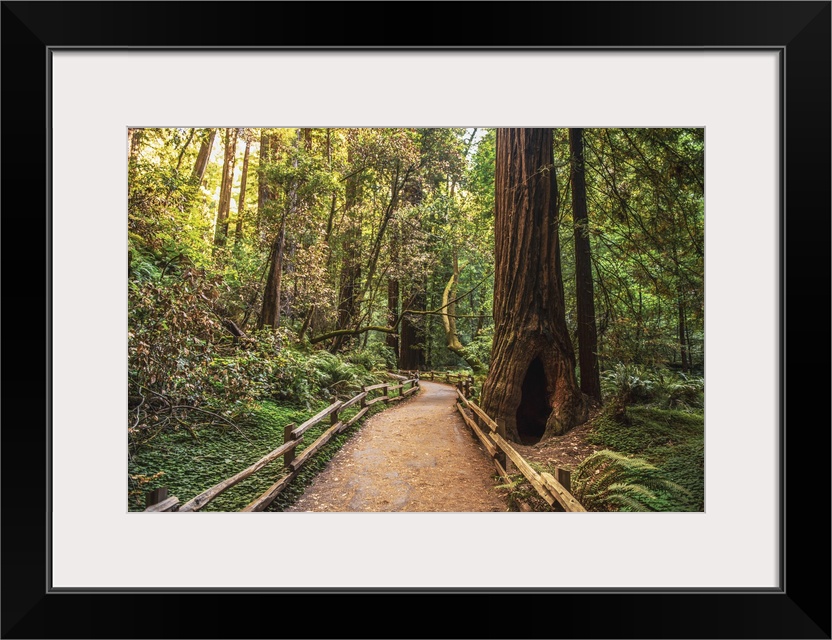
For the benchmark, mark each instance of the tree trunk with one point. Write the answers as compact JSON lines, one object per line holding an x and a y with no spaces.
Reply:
{"x":241,"y":202}
{"x":184,"y":149}
{"x":411,"y":342}
{"x":270,"y":314}
{"x":531,"y":390}
{"x":203,"y":156}
{"x":683,"y":350}
{"x":392,"y":339}
{"x":221,"y":229}
{"x":584,"y":292}
{"x":351,"y":269}
{"x":134,"y":142}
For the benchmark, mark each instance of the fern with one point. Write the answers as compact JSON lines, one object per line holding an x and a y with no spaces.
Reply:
{"x":610,"y":481}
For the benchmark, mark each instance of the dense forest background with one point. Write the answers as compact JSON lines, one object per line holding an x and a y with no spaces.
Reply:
{"x":272,"y":269}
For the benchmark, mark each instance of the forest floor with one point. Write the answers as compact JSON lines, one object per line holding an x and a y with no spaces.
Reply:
{"x":417,"y":456}
{"x":566,"y":451}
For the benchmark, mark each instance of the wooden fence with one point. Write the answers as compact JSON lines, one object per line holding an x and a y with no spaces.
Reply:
{"x":555,"y":491}
{"x":463,"y":381}
{"x":158,"y":500}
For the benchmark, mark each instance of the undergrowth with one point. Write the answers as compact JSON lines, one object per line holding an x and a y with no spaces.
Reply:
{"x":188,"y":467}
{"x":671,"y":440}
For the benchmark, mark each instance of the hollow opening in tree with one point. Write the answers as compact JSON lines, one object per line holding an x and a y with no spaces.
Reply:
{"x":534,"y":408}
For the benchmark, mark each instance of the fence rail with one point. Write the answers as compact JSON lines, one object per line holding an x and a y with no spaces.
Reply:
{"x":158,"y":500}
{"x":556,"y":492}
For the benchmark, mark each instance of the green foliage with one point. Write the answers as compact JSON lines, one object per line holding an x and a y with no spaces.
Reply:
{"x":611,"y":481}
{"x":376,"y":356}
{"x":188,"y":467}
{"x":191,"y":466}
{"x":480,"y":346}
{"x":628,"y":384}
{"x":646,"y":427}
{"x":332,"y":375}
{"x":672,"y":440}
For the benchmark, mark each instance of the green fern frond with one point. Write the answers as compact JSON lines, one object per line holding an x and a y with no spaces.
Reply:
{"x":608,"y":480}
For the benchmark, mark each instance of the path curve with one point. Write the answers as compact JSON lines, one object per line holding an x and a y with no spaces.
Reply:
{"x":415,"y":456}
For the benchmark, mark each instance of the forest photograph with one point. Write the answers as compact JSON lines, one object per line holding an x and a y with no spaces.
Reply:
{"x":415,"y":319}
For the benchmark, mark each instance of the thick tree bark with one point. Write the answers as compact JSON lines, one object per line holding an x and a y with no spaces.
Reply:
{"x":531,"y":390}
{"x":584,"y":292}
{"x":203,"y":156}
{"x":241,"y":202}
{"x":221,"y":228}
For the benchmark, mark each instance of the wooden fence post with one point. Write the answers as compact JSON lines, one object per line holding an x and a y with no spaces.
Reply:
{"x":289,"y":456}
{"x":565,"y":478}
{"x":333,"y":417}
{"x":386,"y":394}
{"x":155,"y":496}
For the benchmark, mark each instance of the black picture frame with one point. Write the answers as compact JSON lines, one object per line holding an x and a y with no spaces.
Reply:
{"x":800,"y":608}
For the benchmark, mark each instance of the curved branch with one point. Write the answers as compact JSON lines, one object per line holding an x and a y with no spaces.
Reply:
{"x":349,"y":332}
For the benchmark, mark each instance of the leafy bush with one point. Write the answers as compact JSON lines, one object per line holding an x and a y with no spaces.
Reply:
{"x":611,"y":481}
{"x":679,"y":391}
{"x":480,"y":346}
{"x":377,"y":356}
{"x":628,"y":384}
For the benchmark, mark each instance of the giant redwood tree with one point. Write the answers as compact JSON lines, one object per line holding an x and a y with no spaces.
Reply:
{"x":531,"y":390}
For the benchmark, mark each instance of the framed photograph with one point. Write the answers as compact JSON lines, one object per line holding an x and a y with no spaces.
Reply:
{"x":755,"y":76}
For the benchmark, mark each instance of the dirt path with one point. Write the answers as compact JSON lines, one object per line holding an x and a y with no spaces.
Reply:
{"x":415,"y":456}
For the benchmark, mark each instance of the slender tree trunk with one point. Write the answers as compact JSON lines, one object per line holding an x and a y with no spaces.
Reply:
{"x":531,"y":390}
{"x":584,"y":292}
{"x":411,"y":342}
{"x":683,"y":349}
{"x":392,"y":339}
{"x":221,"y":228}
{"x":241,"y":202}
{"x":184,"y":149}
{"x":448,"y":313}
{"x":351,"y":270}
{"x":270,"y":314}
{"x":203,"y":156}
{"x":263,"y":194}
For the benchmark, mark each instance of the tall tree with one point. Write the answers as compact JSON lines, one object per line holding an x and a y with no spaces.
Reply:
{"x":270,"y":313}
{"x":241,"y":202}
{"x":221,"y":228}
{"x":584,"y":293}
{"x":351,"y":267}
{"x":392,"y":339}
{"x":531,"y":390}
{"x":134,"y":142}
{"x":203,"y":156}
